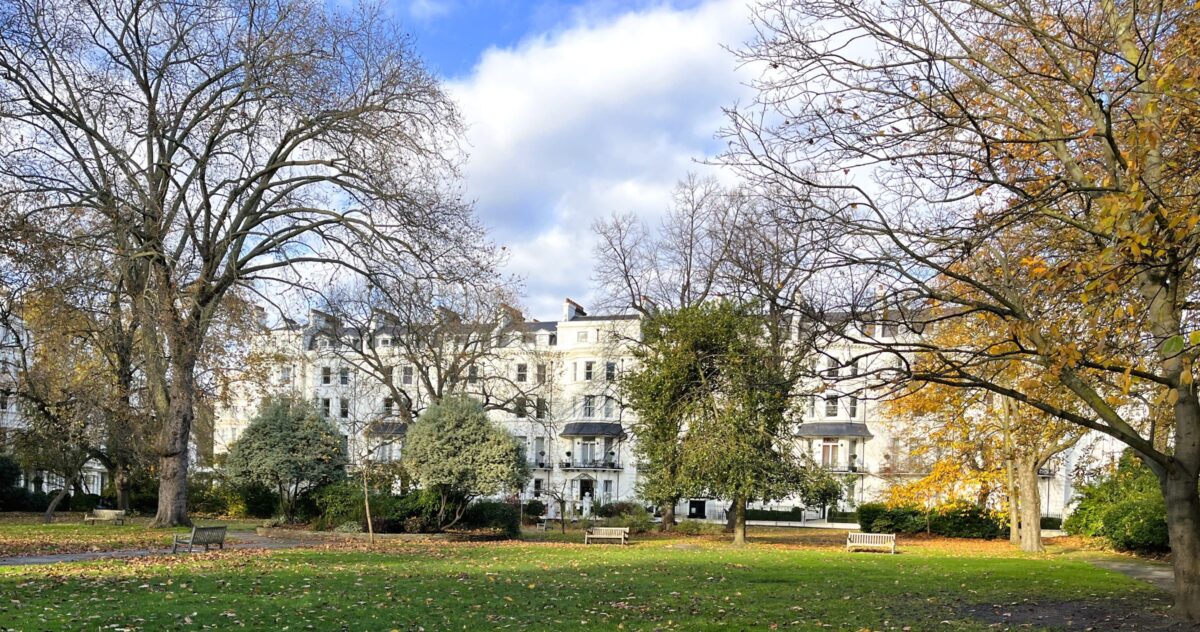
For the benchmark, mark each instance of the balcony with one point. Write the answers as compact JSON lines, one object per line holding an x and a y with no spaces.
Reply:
{"x":541,"y":465}
{"x":580,"y":464}
{"x":842,"y":467}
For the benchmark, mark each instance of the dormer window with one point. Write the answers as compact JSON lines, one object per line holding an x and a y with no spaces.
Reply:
{"x":385,"y":342}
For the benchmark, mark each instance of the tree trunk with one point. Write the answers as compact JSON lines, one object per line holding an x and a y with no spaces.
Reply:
{"x":1030,"y":505}
{"x":48,"y":517}
{"x":1014,"y":501}
{"x":739,"y":521}
{"x":123,"y":484}
{"x":173,"y":445}
{"x":1183,"y":527}
{"x":1014,"y":507}
{"x":668,"y":517}
{"x":367,"y":508}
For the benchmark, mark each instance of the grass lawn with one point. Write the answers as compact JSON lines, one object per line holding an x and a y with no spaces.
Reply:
{"x":783,"y":580}
{"x":24,"y":534}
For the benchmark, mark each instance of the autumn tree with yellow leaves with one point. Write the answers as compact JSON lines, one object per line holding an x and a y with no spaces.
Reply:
{"x":921,"y":134}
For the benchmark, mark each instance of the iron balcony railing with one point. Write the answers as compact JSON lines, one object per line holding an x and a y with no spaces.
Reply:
{"x":598,"y":464}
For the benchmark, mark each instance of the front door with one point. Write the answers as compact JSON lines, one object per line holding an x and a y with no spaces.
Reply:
{"x":696,"y":509}
{"x":587,"y":489}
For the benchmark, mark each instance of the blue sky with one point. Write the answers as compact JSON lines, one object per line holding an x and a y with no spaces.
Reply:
{"x":576,"y":110}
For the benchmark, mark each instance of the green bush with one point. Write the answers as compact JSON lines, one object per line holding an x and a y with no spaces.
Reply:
{"x":635,"y":518}
{"x":698,"y":527}
{"x":612,"y":510}
{"x":1137,"y":524}
{"x":955,"y":520}
{"x":10,"y":472}
{"x":207,"y":496}
{"x":534,"y":510}
{"x":15,"y":499}
{"x":348,"y":527}
{"x":1131,"y":479}
{"x":965,"y":520}
{"x":842,"y":516}
{"x":252,"y":500}
{"x":492,"y":515}
{"x":868,"y":513}
{"x":339,"y":503}
{"x":82,"y":502}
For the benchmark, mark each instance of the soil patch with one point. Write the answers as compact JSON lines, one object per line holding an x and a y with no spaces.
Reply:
{"x":1126,"y":613}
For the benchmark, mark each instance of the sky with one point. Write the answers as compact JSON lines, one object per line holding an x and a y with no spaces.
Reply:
{"x":576,"y":110}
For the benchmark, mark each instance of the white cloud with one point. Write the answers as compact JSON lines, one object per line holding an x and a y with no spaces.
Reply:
{"x":605,"y":115}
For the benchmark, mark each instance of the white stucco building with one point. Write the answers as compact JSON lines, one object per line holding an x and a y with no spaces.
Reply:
{"x":554,"y":386}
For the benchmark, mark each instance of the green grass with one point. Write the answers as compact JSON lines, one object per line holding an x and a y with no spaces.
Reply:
{"x":685,"y":584}
{"x":25,"y":535}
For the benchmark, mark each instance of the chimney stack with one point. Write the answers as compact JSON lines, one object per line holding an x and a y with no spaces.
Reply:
{"x":571,"y":310}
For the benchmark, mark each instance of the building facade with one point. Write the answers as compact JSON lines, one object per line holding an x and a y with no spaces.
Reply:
{"x":553,"y":385}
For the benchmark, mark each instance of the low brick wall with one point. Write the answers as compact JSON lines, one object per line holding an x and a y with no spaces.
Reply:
{"x":330,"y":536}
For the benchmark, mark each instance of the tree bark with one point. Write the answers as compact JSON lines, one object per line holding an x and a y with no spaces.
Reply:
{"x":1030,"y":505}
{"x":739,"y":521}
{"x":173,"y":442}
{"x":668,"y":517}
{"x":1183,"y":527}
{"x":1014,"y":507}
{"x":123,"y":484}
{"x":48,"y":517}
{"x":367,"y":508}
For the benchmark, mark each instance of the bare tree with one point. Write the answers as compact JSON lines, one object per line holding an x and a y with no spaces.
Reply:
{"x":953,"y":147}
{"x":220,"y":144}
{"x":676,"y":265}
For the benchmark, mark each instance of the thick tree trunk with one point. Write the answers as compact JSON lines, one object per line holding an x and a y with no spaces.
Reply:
{"x":739,"y":521}
{"x":48,"y":517}
{"x":173,"y":447}
{"x":668,"y":517}
{"x":1183,"y":527}
{"x":1030,"y":505}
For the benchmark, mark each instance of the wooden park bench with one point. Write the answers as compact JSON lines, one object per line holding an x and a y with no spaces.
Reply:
{"x":115,"y":516}
{"x":884,"y":541}
{"x":619,"y":534}
{"x":208,"y":536}
{"x":541,"y":525}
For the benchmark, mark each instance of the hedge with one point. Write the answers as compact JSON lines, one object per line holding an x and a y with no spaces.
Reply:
{"x":955,"y":520}
{"x":796,"y":514}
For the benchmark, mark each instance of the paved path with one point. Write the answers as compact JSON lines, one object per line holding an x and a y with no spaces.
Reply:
{"x":236,"y":540}
{"x":1156,"y":573}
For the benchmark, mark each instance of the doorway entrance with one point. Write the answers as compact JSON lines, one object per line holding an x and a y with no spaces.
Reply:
{"x":696,"y":509}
